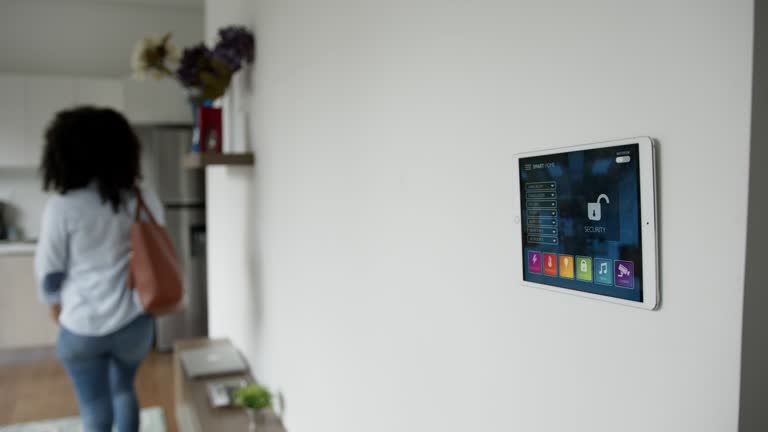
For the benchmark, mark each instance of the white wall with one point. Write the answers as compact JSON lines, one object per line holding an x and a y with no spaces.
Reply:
{"x":378,"y":291}
{"x":234,"y":295}
{"x":22,"y":189}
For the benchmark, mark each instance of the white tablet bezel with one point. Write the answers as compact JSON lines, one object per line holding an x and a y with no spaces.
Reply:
{"x":651,"y":292}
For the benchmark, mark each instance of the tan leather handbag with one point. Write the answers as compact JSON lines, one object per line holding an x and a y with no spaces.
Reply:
{"x":154,"y":270}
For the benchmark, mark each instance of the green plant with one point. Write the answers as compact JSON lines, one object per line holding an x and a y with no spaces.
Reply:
{"x":253,"y":396}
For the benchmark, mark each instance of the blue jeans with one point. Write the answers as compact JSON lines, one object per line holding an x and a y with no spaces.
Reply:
{"x":103,"y":369}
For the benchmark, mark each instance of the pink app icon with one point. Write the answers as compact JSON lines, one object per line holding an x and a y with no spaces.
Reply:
{"x":534,"y":262}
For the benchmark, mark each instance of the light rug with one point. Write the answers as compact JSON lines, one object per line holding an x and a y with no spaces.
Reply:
{"x":152,"y":420}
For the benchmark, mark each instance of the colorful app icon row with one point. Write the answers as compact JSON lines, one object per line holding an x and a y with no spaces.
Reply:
{"x":603,"y":271}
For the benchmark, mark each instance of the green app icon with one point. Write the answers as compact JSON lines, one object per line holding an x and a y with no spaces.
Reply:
{"x":584,"y":268}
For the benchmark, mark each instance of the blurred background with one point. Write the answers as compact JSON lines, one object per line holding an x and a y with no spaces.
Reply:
{"x":55,"y":54}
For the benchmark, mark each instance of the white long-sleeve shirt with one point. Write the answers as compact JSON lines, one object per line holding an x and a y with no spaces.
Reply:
{"x":82,"y":260}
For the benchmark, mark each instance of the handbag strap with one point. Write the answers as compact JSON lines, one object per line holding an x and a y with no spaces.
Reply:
{"x":141,"y":205}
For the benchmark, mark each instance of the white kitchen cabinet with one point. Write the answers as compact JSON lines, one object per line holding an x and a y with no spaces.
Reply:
{"x":156,"y":102}
{"x":28,"y":104}
{"x":12,"y":126}
{"x":100,"y":92}
{"x":44,"y":97}
{"x":24,"y":321}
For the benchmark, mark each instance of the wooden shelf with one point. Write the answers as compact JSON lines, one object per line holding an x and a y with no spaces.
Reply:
{"x":193,"y":409}
{"x":202,"y":160}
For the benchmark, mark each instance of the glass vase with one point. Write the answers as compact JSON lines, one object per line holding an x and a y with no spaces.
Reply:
{"x":194,"y":106}
{"x":256,"y":419}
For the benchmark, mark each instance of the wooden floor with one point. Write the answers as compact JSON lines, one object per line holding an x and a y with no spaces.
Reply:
{"x":34,"y":386}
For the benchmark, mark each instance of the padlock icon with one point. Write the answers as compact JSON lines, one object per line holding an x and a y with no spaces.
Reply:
{"x":594,"y":209}
{"x":583,"y":266}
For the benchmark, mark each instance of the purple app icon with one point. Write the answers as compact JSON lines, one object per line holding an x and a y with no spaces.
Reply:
{"x":534,"y":262}
{"x":624,"y":274}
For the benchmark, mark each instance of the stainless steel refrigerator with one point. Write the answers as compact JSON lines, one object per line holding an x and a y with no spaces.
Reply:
{"x":182,"y":192}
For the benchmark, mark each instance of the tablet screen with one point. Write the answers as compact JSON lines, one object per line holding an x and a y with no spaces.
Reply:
{"x":581,"y":221}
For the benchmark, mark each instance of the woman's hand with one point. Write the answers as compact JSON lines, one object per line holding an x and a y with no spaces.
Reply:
{"x":55,"y":312}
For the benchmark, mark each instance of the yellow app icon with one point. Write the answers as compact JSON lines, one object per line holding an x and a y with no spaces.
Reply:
{"x":566,"y":266}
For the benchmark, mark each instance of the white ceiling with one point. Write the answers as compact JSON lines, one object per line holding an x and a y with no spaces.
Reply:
{"x":88,"y":37}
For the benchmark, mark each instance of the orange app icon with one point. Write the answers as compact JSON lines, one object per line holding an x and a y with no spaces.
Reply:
{"x":566,"y":266}
{"x":550,"y":264}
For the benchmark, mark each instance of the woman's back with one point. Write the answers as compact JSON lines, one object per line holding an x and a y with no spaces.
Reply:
{"x":85,"y":250}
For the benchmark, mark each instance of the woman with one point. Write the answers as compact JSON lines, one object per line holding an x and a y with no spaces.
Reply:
{"x":91,"y":160}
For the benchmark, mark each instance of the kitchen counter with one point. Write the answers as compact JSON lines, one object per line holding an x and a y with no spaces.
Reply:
{"x":17,"y":248}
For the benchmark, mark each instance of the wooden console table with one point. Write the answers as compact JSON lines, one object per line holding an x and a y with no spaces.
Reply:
{"x":193,"y":411}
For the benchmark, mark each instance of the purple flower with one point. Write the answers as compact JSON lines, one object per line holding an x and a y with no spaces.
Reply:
{"x":236,"y":45}
{"x":194,"y":61}
{"x":227,"y":56}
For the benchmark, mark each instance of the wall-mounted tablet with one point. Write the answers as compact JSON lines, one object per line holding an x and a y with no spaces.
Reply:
{"x":587,"y":217}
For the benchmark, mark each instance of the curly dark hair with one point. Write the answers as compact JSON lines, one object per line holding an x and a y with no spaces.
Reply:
{"x":87,"y":144}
